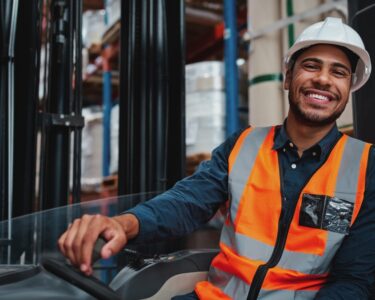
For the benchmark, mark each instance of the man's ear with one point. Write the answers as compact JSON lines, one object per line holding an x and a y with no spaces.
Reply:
{"x":288,"y":78}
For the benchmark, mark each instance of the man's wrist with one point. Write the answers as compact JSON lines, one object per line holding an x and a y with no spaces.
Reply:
{"x":129,"y":224}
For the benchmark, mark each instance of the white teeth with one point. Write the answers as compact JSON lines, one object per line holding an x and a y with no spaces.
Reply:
{"x":317,"y":96}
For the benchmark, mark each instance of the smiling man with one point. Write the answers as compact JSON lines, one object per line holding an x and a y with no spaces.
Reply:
{"x":320,"y":87}
{"x":319,"y":84}
{"x":301,"y":217}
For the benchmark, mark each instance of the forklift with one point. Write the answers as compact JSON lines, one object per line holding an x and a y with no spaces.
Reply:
{"x":151,"y":147}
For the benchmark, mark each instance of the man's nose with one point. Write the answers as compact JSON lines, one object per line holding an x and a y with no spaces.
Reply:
{"x":323,"y":77}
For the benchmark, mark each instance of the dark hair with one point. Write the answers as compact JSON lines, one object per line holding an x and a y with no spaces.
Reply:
{"x":353,"y":58}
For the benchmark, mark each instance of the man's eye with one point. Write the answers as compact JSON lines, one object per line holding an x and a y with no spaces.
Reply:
{"x":310,"y":67}
{"x":340,"y":73}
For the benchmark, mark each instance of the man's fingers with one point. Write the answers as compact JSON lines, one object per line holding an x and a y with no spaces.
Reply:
{"x":69,"y":240}
{"x":83,"y":235}
{"x":61,"y":242}
{"x":92,"y":232}
{"x":78,"y":241}
{"x":116,"y":241}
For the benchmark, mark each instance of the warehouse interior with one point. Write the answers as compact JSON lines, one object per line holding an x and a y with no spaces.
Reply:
{"x":81,"y":161}
{"x":110,"y":98}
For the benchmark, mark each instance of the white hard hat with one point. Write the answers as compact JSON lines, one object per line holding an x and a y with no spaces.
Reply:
{"x":334,"y":31}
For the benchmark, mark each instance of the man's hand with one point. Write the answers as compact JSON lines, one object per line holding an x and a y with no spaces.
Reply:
{"x":78,"y":241}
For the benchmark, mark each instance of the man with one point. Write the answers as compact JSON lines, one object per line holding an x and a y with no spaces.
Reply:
{"x":301,"y":217}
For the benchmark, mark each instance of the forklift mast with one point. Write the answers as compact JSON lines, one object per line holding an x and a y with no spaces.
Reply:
{"x":361,"y":18}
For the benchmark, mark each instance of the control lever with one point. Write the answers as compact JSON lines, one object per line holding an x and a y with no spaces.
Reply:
{"x":100,"y":242}
{"x":89,"y":284}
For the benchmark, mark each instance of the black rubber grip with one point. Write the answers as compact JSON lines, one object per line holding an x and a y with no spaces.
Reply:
{"x":100,"y":242}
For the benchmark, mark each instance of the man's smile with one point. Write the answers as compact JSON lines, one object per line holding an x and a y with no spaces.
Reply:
{"x":319,"y":96}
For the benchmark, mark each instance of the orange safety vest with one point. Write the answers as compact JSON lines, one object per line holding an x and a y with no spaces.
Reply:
{"x":254,"y":256}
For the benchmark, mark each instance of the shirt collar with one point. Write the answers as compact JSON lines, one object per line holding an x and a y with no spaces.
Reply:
{"x":281,"y":137}
{"x":324,"y":146}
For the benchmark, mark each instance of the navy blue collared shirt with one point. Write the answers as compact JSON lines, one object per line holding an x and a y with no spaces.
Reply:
{"x":195,"y":199}
{"x":296,"y":171}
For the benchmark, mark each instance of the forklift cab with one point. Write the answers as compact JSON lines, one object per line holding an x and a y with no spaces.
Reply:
{"x":33,"y":268}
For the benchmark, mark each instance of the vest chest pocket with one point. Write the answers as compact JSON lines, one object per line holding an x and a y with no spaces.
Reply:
{"x":327,"y":213}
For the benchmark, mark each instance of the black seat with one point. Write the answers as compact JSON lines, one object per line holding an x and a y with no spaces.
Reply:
{"x":163,"y":277}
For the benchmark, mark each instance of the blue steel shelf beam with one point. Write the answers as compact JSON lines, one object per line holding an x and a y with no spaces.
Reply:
{"x":231,"y":72}
{"x":107,"y":103}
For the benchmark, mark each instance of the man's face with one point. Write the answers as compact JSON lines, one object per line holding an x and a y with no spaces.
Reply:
{"x":319,"y":85}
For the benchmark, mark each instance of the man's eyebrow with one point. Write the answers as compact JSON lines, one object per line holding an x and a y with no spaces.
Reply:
{"x":319,"y":61}
{"x":312,"y":59}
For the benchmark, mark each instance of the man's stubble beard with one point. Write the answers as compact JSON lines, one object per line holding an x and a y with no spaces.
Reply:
{"x":312,"y":119}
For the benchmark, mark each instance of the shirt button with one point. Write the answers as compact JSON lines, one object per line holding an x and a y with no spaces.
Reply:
{"x":314,"y":153}
{"x":284,"y":149}
{"x":294,"y":166}
{"x":291,"y":145}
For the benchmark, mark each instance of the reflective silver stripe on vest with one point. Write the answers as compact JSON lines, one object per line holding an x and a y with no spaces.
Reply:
{"x":244,"y":164}
{"x":286,"y":294}
{"x":346,"y":185}
{"x":238,"y":289}
{"x":229,"y":284}
{"x":256,"y":250}
{"x":248,"y":247}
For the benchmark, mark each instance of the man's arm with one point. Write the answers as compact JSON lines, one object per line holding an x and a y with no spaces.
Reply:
{"x":353,"y":268}
{"x":182,"y":209}
{"x":190,"y":203}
